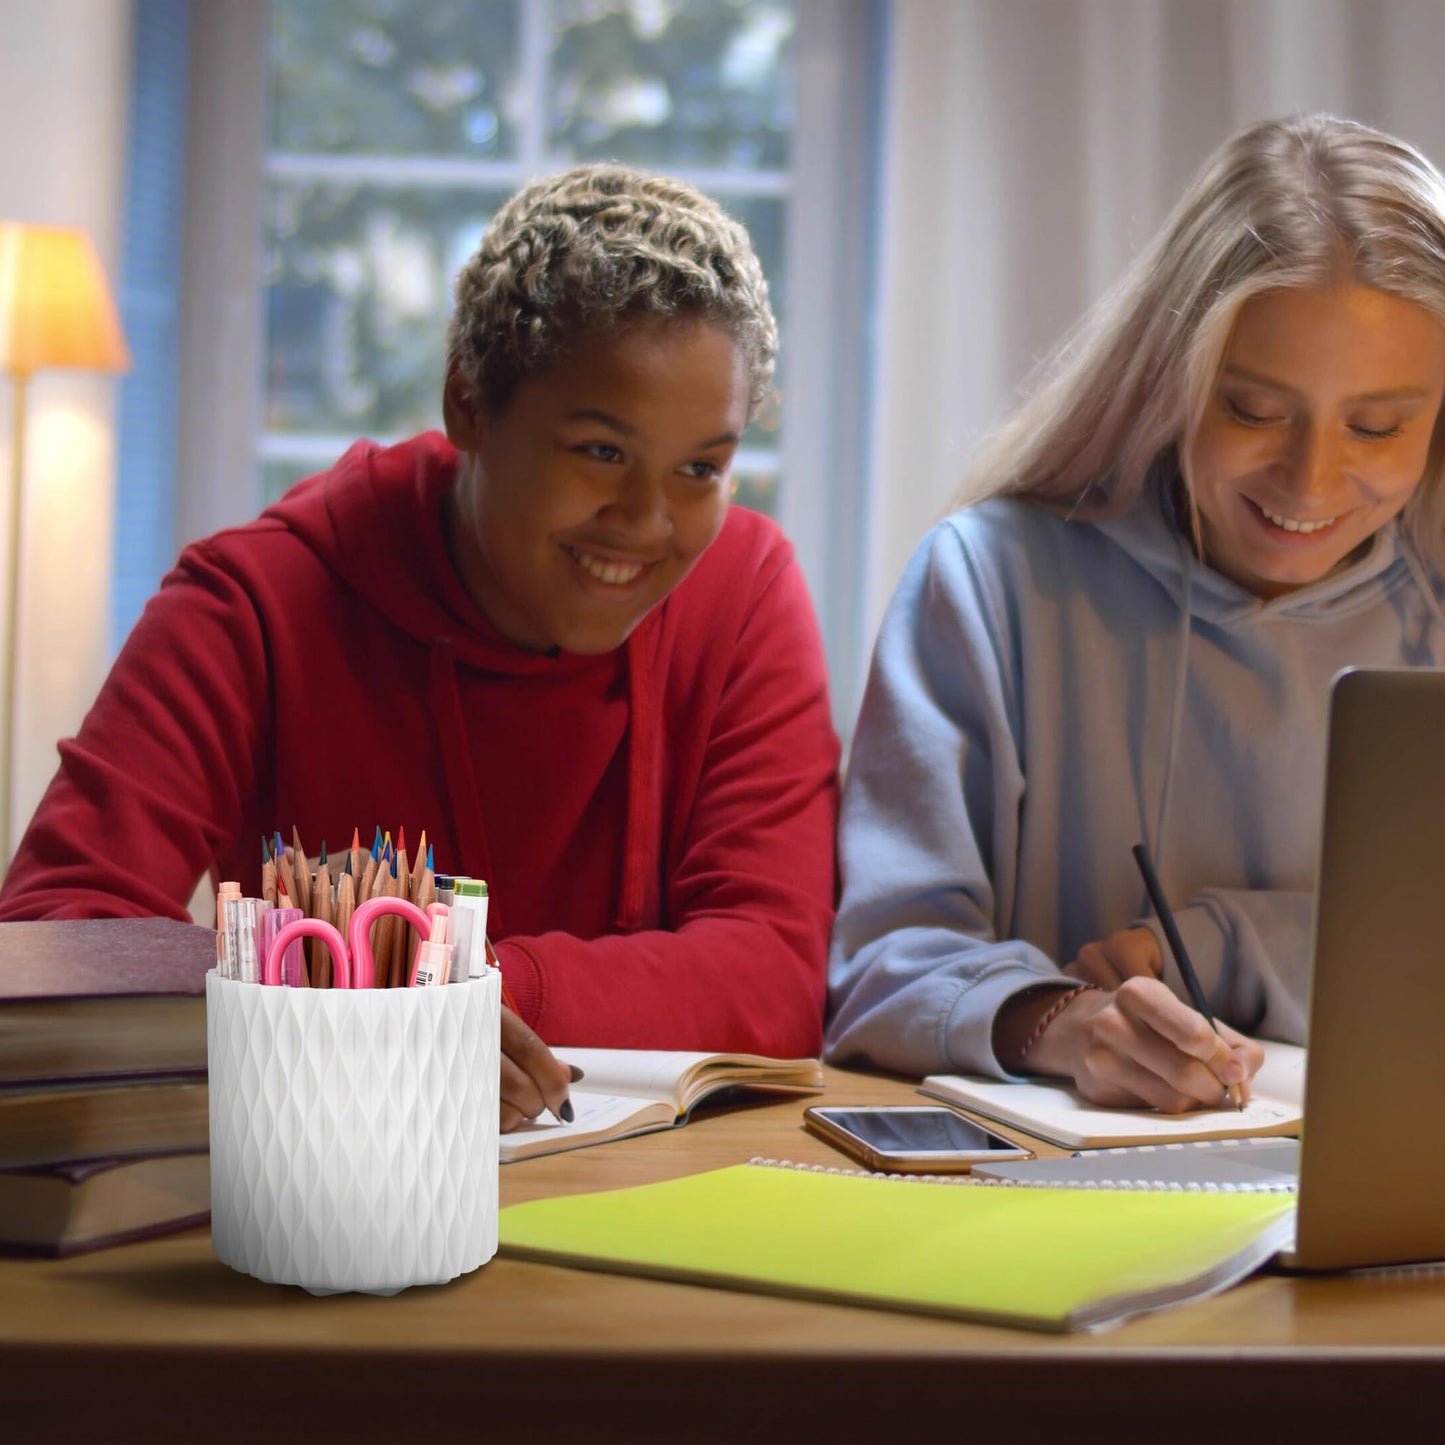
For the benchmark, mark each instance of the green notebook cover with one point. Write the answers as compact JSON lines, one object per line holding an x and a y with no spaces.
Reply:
{"x":1044,"y":1259}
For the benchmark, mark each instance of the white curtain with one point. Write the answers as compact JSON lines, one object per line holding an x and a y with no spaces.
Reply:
{"x":64,"y":100}
{"x":1030,"y":146}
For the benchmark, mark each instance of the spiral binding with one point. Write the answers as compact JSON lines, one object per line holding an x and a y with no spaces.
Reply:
{"x":869,"y":1173}
{"x":1151,"y":1186}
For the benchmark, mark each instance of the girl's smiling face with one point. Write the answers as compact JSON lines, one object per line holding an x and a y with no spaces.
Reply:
{"x":591,"y":494}
{"x":1317,"y":431}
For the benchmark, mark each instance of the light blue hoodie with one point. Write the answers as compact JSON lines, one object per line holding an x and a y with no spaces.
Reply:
{"x":1047,"y":693}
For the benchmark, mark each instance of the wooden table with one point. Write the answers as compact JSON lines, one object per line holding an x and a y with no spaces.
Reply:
{"x":160,"y":1341}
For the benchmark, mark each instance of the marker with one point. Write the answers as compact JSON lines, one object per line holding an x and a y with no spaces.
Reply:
{"x":469,"y":926}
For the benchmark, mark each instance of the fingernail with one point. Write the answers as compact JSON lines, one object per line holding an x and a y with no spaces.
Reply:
{"x":565,"y":1113}
{"x":577,"y":1074}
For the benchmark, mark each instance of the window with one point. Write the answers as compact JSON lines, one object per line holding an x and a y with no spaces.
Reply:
{"x":343,"y":157}
{"x":394,"y":130}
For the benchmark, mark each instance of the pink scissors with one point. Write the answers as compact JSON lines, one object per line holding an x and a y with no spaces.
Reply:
{"x":352,"y":963}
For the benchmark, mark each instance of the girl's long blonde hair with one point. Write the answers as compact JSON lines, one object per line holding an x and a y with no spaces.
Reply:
{"x":1305,"y":201}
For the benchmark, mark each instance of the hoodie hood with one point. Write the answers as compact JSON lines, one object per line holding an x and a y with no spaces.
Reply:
{"x":1155,"y":537}
{"x":1152,"y":535}
{"x":377,"y":521}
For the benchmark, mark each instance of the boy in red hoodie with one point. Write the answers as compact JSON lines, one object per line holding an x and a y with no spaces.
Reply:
{"x":545,"y":638}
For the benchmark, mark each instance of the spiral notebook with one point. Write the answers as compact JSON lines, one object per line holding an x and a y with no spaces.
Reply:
{"x":1036,"y":1258}
{"x":1231,"y":1166}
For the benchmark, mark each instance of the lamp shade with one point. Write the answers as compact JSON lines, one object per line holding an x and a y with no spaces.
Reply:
{"x":55,"y":308}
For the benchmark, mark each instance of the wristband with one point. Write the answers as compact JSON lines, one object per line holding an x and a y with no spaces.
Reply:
{"x":1054,"y":1010}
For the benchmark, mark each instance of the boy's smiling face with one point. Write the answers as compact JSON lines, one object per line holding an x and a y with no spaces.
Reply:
{"x":583,"y":502}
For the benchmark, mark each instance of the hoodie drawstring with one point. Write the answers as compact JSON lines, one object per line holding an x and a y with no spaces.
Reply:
{"x":1155,"y":844}
{"x":463,"y":801}
{"x":1422,"y":579}
{"x":637,"y":843}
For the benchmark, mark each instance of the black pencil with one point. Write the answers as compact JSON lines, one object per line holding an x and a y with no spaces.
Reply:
{"x":1176,"y":947}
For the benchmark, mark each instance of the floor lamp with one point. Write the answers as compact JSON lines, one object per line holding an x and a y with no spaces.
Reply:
{"x":55,"y":311}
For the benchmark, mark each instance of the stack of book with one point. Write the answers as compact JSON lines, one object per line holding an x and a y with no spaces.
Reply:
{"x":104,"y":1116}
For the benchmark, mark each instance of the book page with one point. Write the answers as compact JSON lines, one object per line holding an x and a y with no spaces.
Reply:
{"x":683,"y":1078}
{"x":642,"y":1073}
{"x":597,"y":1116}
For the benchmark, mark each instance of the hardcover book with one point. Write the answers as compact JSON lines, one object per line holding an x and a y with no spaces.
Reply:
{"x":103,"y":997}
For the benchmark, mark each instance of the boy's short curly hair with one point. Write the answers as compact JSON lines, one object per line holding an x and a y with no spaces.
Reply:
{"x":585,"y":251}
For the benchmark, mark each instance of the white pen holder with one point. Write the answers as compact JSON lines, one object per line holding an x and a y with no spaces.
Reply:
{"x":354,"y":1132}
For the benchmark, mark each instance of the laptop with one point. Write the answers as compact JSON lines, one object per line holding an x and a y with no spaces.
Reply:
{"x":1369,"y":1170}
{"x":1372,"y":1156}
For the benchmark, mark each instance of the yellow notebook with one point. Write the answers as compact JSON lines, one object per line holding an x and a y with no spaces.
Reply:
{"x":1040,"y":1258}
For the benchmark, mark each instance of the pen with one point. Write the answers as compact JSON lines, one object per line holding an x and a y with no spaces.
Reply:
{"x":1176,"y":947}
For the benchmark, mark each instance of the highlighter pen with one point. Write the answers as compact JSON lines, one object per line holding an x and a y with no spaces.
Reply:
{"x":469,"y":897}
{"x":1176,"y":947}
{"x":226,"y":894}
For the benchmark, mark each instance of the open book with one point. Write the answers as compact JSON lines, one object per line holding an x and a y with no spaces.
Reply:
{"x":1056,"y":1113}
{"x":1042,"y":1258}
{"x":634,"y":1091}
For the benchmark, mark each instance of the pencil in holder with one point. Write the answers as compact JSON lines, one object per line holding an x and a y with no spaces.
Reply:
{"x":354,"y":1132}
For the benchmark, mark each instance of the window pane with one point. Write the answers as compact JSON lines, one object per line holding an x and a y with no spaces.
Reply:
{"x":673,"y":83}
{"x":757,"y":486}
{"x":395,"y":77}
{"x":359,"y":294}
{"x":278,"y":477}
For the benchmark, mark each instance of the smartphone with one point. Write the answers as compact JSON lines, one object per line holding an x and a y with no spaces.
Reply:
{"x":909,"y":1138}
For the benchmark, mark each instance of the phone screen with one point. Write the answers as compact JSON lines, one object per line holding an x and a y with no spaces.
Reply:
{"x":917,"y":1131}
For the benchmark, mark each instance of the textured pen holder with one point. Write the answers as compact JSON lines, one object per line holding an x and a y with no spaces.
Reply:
{"x":354,"y":1132}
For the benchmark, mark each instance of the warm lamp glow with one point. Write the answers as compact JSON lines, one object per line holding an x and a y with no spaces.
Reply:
{"x":55,"y":308}
{"x":55,"y":311}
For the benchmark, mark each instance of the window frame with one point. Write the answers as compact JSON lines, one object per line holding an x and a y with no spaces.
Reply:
{"x":824,"y":373}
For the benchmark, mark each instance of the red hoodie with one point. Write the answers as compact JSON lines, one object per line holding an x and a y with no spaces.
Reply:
{"x":655,"y":824}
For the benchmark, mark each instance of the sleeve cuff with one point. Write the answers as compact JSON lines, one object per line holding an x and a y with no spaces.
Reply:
{"x":523,"y":978}
{"x":968,"y":1036}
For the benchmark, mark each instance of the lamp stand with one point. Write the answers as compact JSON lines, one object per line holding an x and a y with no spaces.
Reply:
{"x":12,"y":573}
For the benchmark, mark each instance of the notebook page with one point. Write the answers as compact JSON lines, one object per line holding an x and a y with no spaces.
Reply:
{"x":1055,"y":1112}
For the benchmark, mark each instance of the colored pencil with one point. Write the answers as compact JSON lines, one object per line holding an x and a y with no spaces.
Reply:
{"x":367,"y":880}
{"x":345,"y":898}
{"x":322,"y":909}
{"x":384,"y":930}
{"x":285,"y":878}
{"x":423,"y":893}
{"x":301,"y":868}
{"x":268,"y":873}
{"x":403,"y":933}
